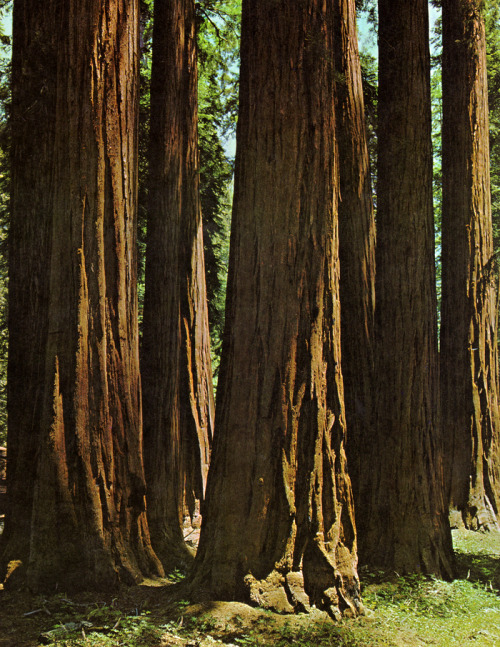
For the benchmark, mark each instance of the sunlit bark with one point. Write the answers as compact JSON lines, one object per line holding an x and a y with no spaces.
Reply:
{"x":278,"y":527}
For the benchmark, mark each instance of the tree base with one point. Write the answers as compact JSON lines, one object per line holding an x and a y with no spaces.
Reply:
{"x":282,"y":593}
{"x":476,"y":516}
{"x":171,"y":549}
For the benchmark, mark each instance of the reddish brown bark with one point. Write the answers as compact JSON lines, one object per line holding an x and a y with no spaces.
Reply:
{"x":407,"y":529}
{"x":469,"y":354}
{"x":176,"y":366}
{"x":356,"y":251}
{"x":278,"y":525}
{"x":88,"y":523}
{"x":33,"y":121}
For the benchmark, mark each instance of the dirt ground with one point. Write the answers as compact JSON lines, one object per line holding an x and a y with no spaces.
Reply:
{"x":24,"y":617}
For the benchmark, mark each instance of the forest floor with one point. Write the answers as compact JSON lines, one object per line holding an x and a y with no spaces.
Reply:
{"x":401,"y":611}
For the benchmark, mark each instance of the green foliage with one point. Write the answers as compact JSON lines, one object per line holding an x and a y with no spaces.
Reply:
{"x":492,"y":23}
{"x":218,"y":65}
{"x":400,"y":612}
{"x":176,"y":576}
{"x":218,"y":56}
{"x":369,"y":75}
{"x":368,"y":8}
{"x":478,"y":558}
{"x":218,"y":59}
{"x":437,"y":122}
{"x":114,"y":630}
{"x":146,"y":40}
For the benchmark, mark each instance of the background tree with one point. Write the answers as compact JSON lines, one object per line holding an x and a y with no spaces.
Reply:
{"x":356,"y":246}
{"x":408,"y":526}
{"x":89,"y":525}
{"x":469,"y":354}
{"x":218,"y":54}
{"x":176,"y":366}
{"x":279,"y":502}
{"x":217,"y":33}
{"x":34,"y":71}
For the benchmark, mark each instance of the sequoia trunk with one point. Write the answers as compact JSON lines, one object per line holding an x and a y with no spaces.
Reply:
{"x":469,"y":355}
{"x":32,"y":122}
{"x":176,"y":367}
{"x":356,"y":250}
{"x":88,"y":523}
{"x":408,"y":523}
{"x":278,"y":527}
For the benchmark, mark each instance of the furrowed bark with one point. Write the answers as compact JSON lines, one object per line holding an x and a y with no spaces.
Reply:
{"x":278,"y":527}
{"x":356,"y":251}
{"x":176,"y":365}
{"x":88,"y":526}
{"x":408,"y":523}
{"x":469,"y":351}
{"x":33,"y":123}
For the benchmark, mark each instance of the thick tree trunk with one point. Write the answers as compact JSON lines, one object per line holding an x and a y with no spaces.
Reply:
{"x":278,"y":527}
{"x":469,"y":355}
{"x":356,"y":251}
{"x":176,"y":367}
{"x":408,"y":523}
{"x":33,"y":121}
{"x":88,"y":526}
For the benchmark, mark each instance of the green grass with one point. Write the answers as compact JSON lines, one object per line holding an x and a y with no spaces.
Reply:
{"x":403,"y":611}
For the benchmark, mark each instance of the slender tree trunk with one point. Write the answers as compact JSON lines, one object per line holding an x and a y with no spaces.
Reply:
{"x":88,"y":525}
{"x":176,"y":367}
{"x":34,"y":68}
{"x":408,"y":523}
{"x":278,"y":527}
{"x":469,"y":354}
{"x":356,"y":251}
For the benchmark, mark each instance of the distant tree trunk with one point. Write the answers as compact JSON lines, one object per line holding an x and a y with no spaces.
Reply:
{"x":176,"y":366}
{"x":278,"y":526}
{"x":34,"y":66}
{"x":356,"y":251}
{"x":469,"y":355}
{"x":408,"y":522}
{"x":88,"y":526}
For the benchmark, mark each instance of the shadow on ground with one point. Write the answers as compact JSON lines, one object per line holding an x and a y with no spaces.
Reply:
{"x":479,"y":568}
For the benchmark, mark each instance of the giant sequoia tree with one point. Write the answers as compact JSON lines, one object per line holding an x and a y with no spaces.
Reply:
{"x":33,"y":112}
{"x":469,"y":359}
{"x":88,"y":521}
{"x":176,"y":369}
{"x":408,"y":523}
{"x":278,"y":524}
{"x":356,"y":248}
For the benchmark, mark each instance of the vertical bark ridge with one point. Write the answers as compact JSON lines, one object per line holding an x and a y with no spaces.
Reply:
{"x":278,"y":525}
{"x":33,"y":123}
{"x":176,"y":365}
{"x":408,"y":527}
{"x":469,"y":356}
{"x":356,"y":251}
{"x":90,"y":453}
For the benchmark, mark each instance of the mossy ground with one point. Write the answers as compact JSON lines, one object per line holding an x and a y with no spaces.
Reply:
{"x":401,"y":611}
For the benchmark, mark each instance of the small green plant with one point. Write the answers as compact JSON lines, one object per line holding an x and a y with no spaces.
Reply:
{"x":401,"y":612}
{"x":121,"y":631}
{"x":176,"y":576}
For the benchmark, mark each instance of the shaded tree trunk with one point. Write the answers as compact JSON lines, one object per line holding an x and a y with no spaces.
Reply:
{"x":34,"y":70}
{"x":408,"y":523}
{"x":278,"y":527}
{"x":176,"y":366}
{"x":356,"y":251}
{"x":88,"y":525}
{"x":469,"y":354}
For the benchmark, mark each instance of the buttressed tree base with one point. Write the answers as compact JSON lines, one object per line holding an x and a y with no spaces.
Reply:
{"x":278,"y":527}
